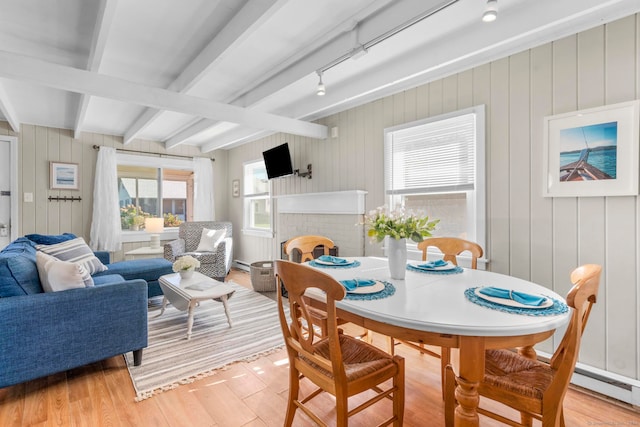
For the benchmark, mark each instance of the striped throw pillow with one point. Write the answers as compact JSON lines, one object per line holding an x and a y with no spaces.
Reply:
{"x":77,"y":251}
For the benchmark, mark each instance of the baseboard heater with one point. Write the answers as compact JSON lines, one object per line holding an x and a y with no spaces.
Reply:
{"x":612,"y":385}
{"x":241,"y":265}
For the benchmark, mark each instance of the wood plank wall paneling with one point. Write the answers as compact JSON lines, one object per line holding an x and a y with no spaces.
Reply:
{"x":529,"y":236}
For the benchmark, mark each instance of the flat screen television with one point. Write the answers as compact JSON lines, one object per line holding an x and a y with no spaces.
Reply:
{"x":277,"y":160}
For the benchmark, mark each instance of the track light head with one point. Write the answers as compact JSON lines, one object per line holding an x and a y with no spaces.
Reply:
{"x":321,"y":89}
{"x":491,"y":11}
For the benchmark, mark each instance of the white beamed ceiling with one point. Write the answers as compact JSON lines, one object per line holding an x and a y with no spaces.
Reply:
{"x":219,"y":73}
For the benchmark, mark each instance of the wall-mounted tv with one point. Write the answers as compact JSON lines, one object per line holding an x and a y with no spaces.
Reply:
{"x":277,"y":160}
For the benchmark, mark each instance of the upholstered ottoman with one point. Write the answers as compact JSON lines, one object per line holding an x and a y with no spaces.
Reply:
{"x":148,"y":269}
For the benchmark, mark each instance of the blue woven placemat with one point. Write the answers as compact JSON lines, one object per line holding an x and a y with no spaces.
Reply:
{"x":558,"y":306}
{"x":388,"y":290}
{"x":354,"y":264}
{"x":422,"y":270}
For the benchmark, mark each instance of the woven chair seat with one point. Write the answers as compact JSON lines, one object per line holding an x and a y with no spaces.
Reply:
{"x":508,"y":370}
{"x":359,"y":359}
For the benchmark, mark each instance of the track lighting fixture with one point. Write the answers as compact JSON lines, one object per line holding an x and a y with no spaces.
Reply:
{"x":321,"y":89}
{"x":491,"y":11}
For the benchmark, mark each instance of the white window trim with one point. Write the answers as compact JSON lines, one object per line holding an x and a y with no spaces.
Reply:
{"x":480,"y":170}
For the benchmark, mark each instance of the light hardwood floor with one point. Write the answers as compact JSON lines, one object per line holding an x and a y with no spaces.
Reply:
{"x":246,"y":394}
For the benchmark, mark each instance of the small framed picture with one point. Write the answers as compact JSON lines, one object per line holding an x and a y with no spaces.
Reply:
{"x":64,"y":176}
{"x":235,"y":188}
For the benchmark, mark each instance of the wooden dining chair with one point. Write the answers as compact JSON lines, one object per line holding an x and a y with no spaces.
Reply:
{"x":306,"y":246}
{"x":535,"y":389}
{"x":337,"y":364}
{"x":451,"y":247}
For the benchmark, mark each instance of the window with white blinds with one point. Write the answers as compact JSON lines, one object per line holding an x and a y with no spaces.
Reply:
{"x":433,"y":157}
{"x":436,"y":166}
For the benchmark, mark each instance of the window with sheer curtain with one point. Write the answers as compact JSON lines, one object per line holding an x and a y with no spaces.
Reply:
{"x":436,"y":166}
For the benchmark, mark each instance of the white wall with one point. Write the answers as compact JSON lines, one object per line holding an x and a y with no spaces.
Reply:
{"x":528,"y":236}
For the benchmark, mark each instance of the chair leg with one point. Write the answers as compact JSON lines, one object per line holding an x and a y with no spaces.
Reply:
{"x":526,"y":419}
{"x":342,"y":411}
{"x":445,"y":360}
{"x":367,"y":336}
{"x":449,"y":389}
{"x":398,"y":395}
{"x":294,"y":390}
{"x":392,"y":346}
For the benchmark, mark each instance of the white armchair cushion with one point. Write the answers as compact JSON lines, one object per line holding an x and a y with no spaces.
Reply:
{"x":210,"y":239}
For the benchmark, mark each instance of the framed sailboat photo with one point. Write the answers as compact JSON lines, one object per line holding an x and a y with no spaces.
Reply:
{"x":592,"y":152}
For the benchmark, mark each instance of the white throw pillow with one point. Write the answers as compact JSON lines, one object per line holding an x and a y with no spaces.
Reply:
{"x":56,"y":275}
{"x":210,"y":239}
{"x":75,"y":250}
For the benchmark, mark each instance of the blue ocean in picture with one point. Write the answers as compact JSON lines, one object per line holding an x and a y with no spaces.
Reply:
{"x":65,"y":176}
{"x":604,"y":158}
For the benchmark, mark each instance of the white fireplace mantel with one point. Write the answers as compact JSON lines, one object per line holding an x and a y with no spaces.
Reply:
{"x":331,"y":202}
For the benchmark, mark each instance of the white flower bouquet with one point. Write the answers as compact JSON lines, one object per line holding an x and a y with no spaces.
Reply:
{"x":398,"y":224}
{"x":185,"y":263}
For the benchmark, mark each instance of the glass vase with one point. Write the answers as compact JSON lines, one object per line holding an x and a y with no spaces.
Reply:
{"x":397,"y":256}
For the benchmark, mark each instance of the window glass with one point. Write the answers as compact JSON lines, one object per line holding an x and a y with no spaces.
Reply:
{"x":257,"y":197}
{"x":153,"y":192}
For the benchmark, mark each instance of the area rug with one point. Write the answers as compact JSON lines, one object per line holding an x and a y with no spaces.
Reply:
{"x":170,"y":359}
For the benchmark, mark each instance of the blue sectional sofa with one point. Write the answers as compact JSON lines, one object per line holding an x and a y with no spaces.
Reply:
{"x":44,"y":333}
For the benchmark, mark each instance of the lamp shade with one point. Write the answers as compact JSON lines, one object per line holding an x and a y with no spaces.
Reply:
{"x":154,"y":225}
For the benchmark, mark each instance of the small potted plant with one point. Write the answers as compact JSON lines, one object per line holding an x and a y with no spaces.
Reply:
{"x":186,"y":265}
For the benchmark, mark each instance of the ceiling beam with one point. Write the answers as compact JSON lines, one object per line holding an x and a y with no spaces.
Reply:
{"x":106,"y":12}
{"x":192,"y":130}
{"x":8,"y":111}
{"x":26,"y":69}
{"x":234,"y":136}
{"x":238,"y":28}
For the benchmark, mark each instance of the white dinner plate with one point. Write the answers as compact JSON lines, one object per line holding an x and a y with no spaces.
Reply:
{"x":449,"y":266}
{"x":548,"y":302}
{"x":321,"y":262}
{"x":379,"y":286}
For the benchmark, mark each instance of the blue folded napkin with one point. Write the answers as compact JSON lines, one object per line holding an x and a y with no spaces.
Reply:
{"x":351,"y":284}
{"x":333,"y":259}
{"x":433,"y":264}
{"x":521,"y":297}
